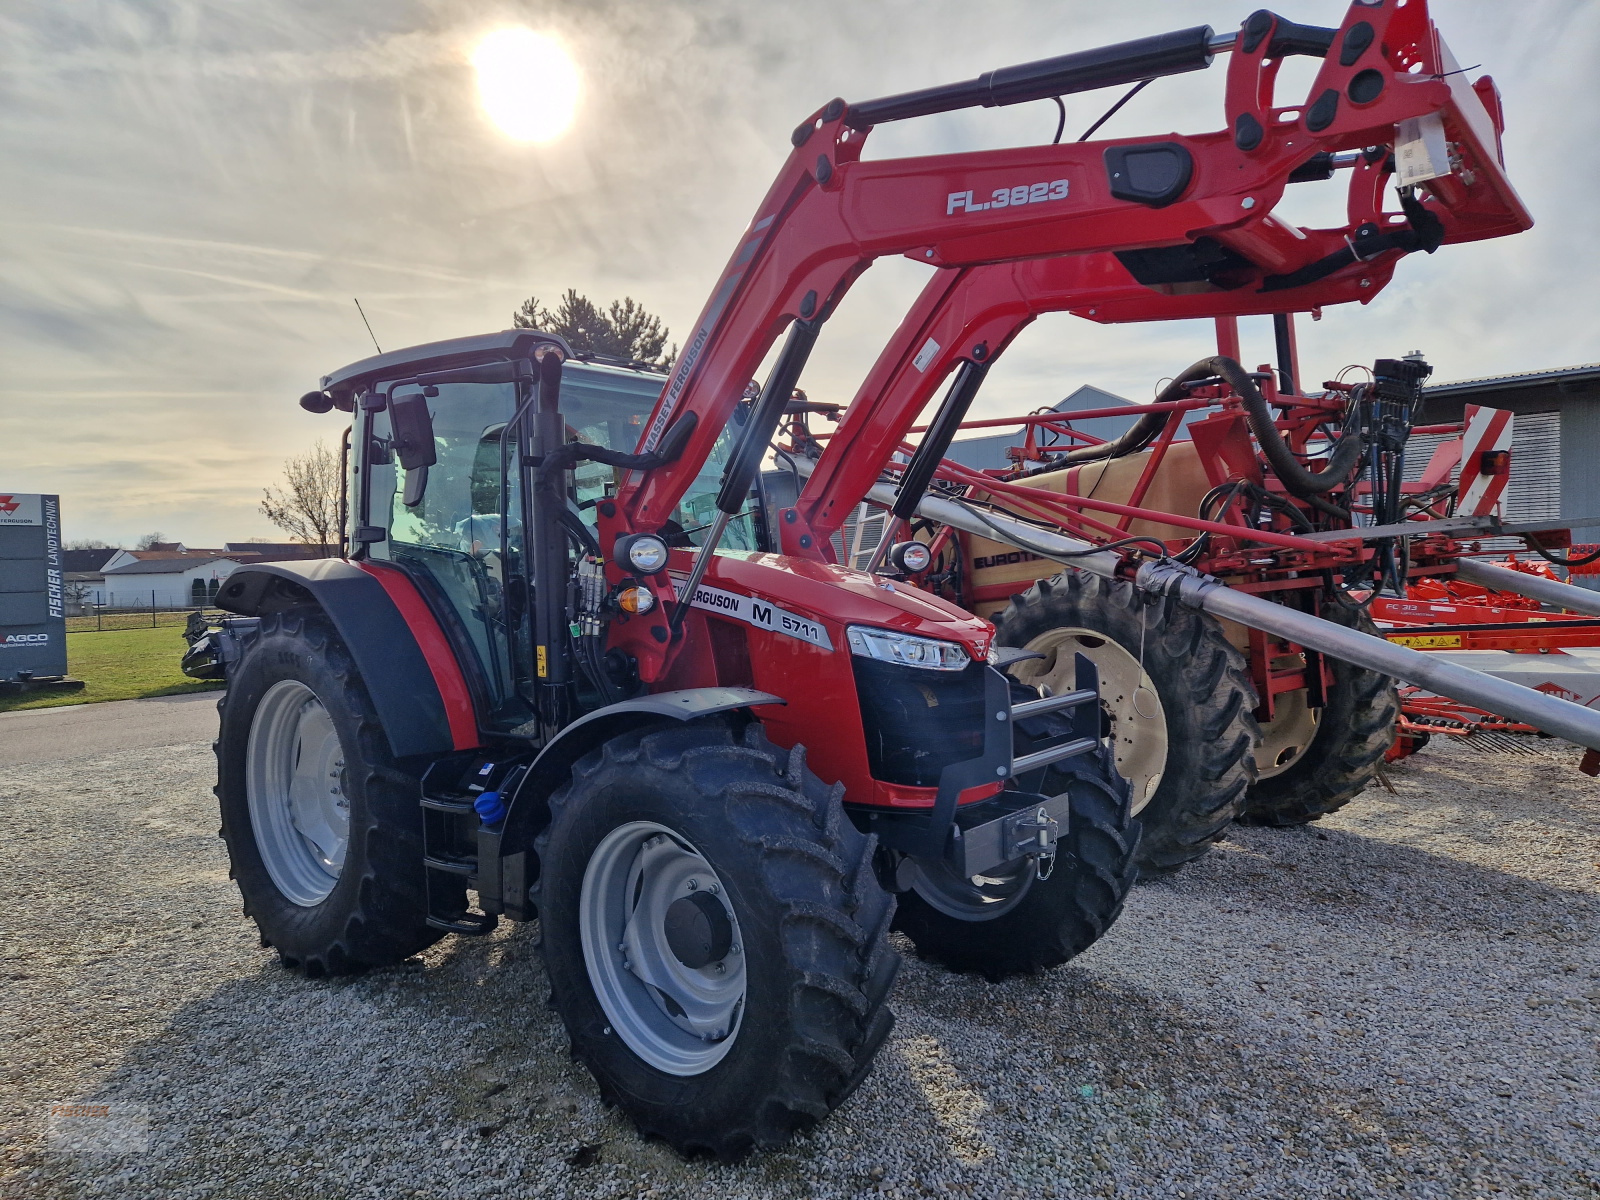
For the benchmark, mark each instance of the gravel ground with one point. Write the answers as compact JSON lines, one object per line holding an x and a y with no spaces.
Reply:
{"x":1403,"y":1001}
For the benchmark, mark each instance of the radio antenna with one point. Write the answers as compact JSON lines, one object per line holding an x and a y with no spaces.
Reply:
{"x":368,"y":324}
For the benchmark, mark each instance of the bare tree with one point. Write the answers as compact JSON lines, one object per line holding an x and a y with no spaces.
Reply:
{"x":75,"y":591}
{"x":625,"y":330}
{"x":306,"y":507}
{"x":148,"y":541}
{"x":92,"y":544}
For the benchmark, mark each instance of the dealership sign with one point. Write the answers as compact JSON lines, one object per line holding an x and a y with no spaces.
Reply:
{"x":33,"y":625}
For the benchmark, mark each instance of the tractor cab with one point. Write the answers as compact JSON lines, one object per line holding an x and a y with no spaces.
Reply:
{"x":457,"y":524}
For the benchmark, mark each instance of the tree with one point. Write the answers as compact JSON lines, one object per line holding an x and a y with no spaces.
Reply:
{"x":625,"y":330}
{"x":148,"y":541}
{"x":306,"y":507}
{"x":92,"y":544}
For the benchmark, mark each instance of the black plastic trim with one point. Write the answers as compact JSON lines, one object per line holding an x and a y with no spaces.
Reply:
{"x":1356,"y":40}
{"x":1366,"y":86}
{"x":1322,"y":111}
{"x":385,"y":652}
{"x":1247,"y":132}
{"x":1149,"y":173}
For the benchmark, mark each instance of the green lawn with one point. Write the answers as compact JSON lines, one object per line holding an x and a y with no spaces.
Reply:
{"x":123,"y":664}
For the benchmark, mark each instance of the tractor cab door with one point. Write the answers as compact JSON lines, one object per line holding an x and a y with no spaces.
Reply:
{"x":463,"y":541}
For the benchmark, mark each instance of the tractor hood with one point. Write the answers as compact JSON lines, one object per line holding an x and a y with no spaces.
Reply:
{"x":836,"y":596}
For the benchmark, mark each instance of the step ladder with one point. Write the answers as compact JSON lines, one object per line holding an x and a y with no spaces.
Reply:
{"x":454,"y":839}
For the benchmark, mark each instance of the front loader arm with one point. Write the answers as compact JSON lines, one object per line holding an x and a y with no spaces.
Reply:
{"x":829,"y":215}
{"x":1264,"y":264}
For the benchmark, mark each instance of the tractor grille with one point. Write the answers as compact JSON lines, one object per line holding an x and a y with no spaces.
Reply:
{"x":918,"y":722}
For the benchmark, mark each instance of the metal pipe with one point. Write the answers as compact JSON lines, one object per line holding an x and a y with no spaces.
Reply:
{"x":1559,"y":717}
{"x":702,"y":560}
{"x":1503,"y":579}
{"x":1043,"y":758}
{"x":1035,"y":708}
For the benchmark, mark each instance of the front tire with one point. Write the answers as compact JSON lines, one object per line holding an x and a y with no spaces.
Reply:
{"x":714,"y":1060}
{"x":324,"y":833}
{"x":1014,"y":922}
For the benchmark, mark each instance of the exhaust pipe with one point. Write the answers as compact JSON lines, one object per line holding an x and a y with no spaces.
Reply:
{"x":1503,"y":579}
{"x":1559,"y":717}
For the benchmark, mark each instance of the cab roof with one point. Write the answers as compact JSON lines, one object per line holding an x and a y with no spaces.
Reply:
{"x":506,"y":345}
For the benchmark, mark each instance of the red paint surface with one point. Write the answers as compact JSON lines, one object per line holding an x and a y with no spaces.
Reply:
{"x":436,"y":651}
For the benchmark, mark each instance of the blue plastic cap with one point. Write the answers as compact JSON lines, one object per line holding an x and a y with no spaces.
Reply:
{"x":489,"y":807}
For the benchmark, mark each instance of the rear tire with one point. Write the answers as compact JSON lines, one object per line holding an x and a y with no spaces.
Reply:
{"x":1037,"y":923}
{"x":1202,"y":686}
{"x":1355,"y":731}
{"x":797,"y":896}
{"x":303,"y":763}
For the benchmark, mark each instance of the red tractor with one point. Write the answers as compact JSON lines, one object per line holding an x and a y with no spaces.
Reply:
{"x":569,"y":669}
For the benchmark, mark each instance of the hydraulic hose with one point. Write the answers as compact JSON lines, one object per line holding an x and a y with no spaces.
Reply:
{"x":1308,"y":485}
{"x":1296,"y":478}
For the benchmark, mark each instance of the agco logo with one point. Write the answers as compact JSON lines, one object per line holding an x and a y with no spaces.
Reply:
{"x":1012,"y":197}
{"x":26,"y":639}
{"x":9,"y":505}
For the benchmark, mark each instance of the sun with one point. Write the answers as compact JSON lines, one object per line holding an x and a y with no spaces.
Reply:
{"x":526,"y":83}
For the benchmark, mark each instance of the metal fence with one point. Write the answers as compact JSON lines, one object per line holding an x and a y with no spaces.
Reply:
{"x":104,"y":617}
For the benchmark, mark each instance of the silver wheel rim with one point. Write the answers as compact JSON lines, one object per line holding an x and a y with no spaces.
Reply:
{"x":294,"y":780}
{"x":1127,"y":695}
{"x":1288,"y":735}
{"x":680,"y":1017}
{"x":979,"y":898}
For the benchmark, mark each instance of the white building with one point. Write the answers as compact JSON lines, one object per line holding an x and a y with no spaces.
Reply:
{"x":170,"y":581}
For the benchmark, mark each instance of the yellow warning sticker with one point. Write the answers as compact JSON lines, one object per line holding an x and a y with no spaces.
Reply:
{"x":1423,"y":641}
{"x":543,"y":669}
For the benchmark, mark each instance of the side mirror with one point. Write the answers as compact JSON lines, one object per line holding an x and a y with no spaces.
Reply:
{"x":316,"y":402}
{"x":412,"y":427}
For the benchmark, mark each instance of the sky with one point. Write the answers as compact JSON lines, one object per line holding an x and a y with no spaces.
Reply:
{"x":192,"y":191}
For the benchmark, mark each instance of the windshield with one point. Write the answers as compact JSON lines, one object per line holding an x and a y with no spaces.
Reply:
{"x":608,"y":407}
{"x":454,"y":536}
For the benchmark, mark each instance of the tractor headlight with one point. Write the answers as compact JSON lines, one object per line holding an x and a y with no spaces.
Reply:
{"x":910,"y":557}
{"x":886,"y":645}
{"x":644,"y":552}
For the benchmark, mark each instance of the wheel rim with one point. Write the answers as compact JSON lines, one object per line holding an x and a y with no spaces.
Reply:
{"x":294,"y":780}
{"x":1127,"y":695}
{"x":978,"y":898}
{"x":1288,"y":735}
{"x":663,"y":948}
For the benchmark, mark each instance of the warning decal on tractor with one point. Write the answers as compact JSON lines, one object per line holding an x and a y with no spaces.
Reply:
{"x":755,"y":612}
{"x":1428,"y":641}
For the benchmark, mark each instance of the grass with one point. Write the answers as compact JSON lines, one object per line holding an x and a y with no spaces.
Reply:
{"x":125,"y":664}
{"x":134,"y":619}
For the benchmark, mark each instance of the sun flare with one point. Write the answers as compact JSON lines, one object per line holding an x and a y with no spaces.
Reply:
{"x":526,"y":83}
